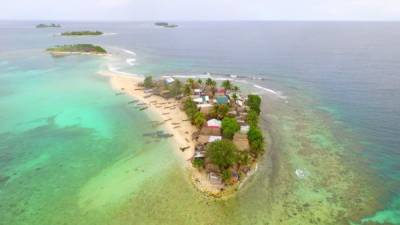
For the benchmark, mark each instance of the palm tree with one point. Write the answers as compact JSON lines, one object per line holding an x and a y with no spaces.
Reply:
{"x":191,"y":82}
{"x":227,"y":84}
{"x":235,"y":97}
{"x":187,"y":89}
{"x":213,"y":87}
{"x":209,"y":81}
{"x":236,"y":89}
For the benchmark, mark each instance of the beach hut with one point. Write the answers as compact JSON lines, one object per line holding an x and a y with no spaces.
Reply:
{"x":220,"y":91}
{"x":222,"y":100}
{"x":205,"y":108}
{"x":169,"y":80}
{"x":214,"y":138}
{"x":214,"y":123}
{"x":215,"y":131}
{"x":241,"y":141}
{"x":198,"y":100}
{"x":203,"y":139}
{"x":197,"y":91}
{"x":214,"y":178}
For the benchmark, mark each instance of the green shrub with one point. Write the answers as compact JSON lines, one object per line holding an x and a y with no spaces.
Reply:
{"x":226,"y":175}
{"x":148,"y":82}
{"x":229,"y":127}
{"x":198,"y":163}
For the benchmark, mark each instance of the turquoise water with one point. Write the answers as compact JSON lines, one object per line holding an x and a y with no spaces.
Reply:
{"x":72,"y":151}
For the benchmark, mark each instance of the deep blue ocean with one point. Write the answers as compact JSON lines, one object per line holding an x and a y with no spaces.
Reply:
{"x":349,"y":71}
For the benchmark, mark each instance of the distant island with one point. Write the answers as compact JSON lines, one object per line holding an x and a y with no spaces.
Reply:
{"x":165,"y":24}
{"x":52,"y":25}
{"x":82,"y":33}
{"x":77,"y":49}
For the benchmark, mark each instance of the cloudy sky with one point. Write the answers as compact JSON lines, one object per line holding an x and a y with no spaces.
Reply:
{"x":200,"y":9}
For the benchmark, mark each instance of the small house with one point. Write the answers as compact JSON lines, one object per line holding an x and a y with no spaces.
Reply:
{"x":215,"y":131}
{"x":205,"y":108}
{"x":214,"y":138}
{"x":197,"y":91}
{"x":214,"y":178}
{"x":214,"y":123}
{"x":169,"y":80}
{"x":220,"y":91}
{"x":222,"y":100}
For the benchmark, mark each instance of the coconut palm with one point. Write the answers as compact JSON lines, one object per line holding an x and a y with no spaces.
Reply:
{"x":191,"y":82}
{"x":187,"y":89}
{"x":227,"y":84}
{"x":209,"y":81}
{"x":236,"y":89}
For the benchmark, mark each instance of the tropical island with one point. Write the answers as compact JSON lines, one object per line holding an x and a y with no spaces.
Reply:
{"x":216,"y":129}
{"x":165,"y":24}
{"x":82,"y":33}
{"x":52,"y":25}
{"x":61,"y":50}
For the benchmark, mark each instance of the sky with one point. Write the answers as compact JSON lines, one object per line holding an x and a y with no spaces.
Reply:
{"x":175,"y":10}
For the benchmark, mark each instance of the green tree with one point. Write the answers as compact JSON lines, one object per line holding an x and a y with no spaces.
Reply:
{"x":187,"y":90}
{"x":209,"y":82}
{"x":222,"y":153}
{"x":200,"y":81}
{"x":226,"y":175}
{"x":252,"y":118}
{"x":191,"y":82}
{"x":254,"y":102}
{"x":235,"y":97}
{"x":256,"y":140}
{"x":220,"y":111}
{"x":148,"y":82}
{"x":190,"y":108}
{"x":176,"y":88}
{"x":244,"y":158}
{"x":227,"y":84}
{"x":229,"y":127}
{"x":236,"y":89}
{"x":199,"y":119}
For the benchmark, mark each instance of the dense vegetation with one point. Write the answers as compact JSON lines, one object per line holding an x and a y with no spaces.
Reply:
{"x":255,"y":135}
{"x":42,"y":25}
{"x":196,"y":117}
{"x":83,"y":48}
{"x":222,"y":153}
{"x":148,"y":82}
{"x":229,"y":127}
{"x":81,"y":33}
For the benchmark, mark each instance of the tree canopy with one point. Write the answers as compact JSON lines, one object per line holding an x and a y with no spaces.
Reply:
{"x":222,"y":153}
{"x":229,"y":127}
{"x":227,"y":84}
{"x":148,"y":82}
{"x":254,"y":102}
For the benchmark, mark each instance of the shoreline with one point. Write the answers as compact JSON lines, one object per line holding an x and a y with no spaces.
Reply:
{"x":58,"y":53}
{"x":175,"y":121}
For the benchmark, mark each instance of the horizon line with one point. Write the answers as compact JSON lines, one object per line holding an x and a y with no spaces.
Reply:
{"x":194,"y":20}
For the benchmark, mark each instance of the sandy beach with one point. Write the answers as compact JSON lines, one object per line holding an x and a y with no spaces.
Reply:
{"x":168,"y":113}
